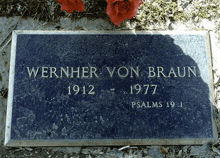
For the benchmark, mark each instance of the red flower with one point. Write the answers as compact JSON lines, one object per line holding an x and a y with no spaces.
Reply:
{"x":71,"y":5}
{"x":119,"y":10}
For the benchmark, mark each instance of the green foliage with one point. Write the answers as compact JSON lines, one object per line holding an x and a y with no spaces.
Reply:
{"x":160,"y":11}
{"x":150,"y":12}
{"x":208,"y":10}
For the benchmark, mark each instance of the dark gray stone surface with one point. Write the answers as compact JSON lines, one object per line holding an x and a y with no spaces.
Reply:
{"x":139,"y":87}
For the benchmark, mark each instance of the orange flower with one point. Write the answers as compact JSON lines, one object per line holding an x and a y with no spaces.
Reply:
{"x":119,"y":10}
{"x":71,"y":5}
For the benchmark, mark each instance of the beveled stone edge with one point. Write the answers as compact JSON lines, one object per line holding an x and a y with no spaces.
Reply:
{"x":110,"y":142}
{"x":113,"y":32}
{"x":10,"y":89}
{"x":209,"y":54}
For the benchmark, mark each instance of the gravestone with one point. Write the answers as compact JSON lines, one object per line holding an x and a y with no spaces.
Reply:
{"x":109,"y":88}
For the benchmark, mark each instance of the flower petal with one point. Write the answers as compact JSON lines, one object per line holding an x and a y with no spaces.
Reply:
{"x":119,"y":10}
{"x":71,"y":5}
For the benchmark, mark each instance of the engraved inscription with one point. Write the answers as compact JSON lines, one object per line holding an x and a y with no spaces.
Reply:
{"x":156,"y":104}
{"x":69,"y":72}
{"x":122,"y":72}
{"x":85,"y":90}
{"x":138,"y":88}
{"x":178,"y":72}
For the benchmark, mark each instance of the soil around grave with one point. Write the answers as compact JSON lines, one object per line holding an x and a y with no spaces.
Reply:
{"x":49,"y":10}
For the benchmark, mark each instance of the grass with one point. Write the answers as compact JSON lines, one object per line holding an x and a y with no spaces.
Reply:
{"x":150,"y":12}
{"x":160,"y":11}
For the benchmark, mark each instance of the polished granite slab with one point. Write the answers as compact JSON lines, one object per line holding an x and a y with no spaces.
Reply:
{"x":109,"y":88}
